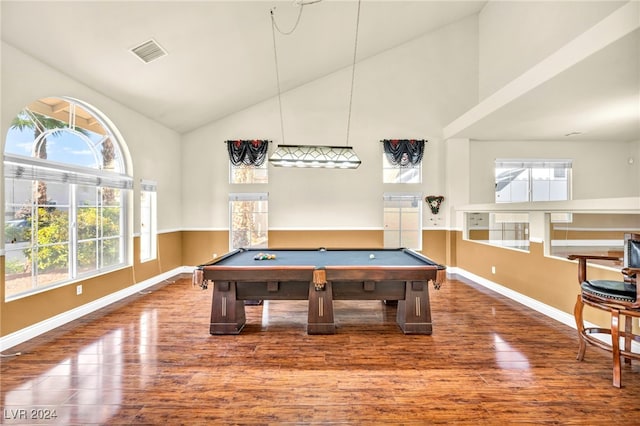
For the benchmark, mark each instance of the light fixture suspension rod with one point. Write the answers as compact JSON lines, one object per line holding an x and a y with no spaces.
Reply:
{"x":353,"y":73}
{"x":275,"y":55}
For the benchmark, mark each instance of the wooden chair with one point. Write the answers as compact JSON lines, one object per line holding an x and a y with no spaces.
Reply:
{"x":619,"y":298}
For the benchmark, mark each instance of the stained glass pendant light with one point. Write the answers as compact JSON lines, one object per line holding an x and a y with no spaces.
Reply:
{"x":317,"y":156}
{"x":314,"y":156}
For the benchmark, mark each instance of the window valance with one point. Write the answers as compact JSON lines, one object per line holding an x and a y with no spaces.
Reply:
{"x":247,"y":152}
{"x":404,"y":152}
{"x":38,"y":169}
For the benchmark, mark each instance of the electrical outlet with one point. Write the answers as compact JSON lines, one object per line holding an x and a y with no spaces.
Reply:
{"x":493,"y":269}
{"x":79,"y":289}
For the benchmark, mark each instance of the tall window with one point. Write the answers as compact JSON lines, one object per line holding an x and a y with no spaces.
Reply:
{"x":148,"y":220}
{"x":65,"y":197}
{"x":532,"y":180}
{"x":403,"y":220}
{"x":249,"y":213}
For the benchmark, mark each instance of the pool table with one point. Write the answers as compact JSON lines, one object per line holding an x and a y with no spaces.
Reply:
{"x":321,"y":276}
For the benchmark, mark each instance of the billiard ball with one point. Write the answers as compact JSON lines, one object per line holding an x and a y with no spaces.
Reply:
{"x":372,"y":256}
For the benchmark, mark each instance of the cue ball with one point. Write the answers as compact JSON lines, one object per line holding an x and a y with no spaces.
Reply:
{"x":372,"y":256}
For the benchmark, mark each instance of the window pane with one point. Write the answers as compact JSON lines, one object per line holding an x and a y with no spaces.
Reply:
{"x":549,"y":180}
{"x":148,"y":232}
{"x":53,"y":263}
{"x":241,"y":216}
{"x":519,"y":191}
{"x":402,"y":220}
{"x":411,"y":219}
{"x":52,"y":225}
{"x":18,"y":199}
{"x":64,"y":141}
{"x":249,"y":221}
{"x":540,"y":190}
{"x":18,"y":277}
{"x":391,"y":219}
{"x":541,"y":174}
{"x":392,"y":239}
{"x":57,"y":194}
{"x":86,"y":195}
{"x":410,"y":239}
{"x":17,"y":232}
{"x":87,"y":256}
{"x":111,"y":197}
{"x":259,"y":230}
{"x":558,"y":190}
{"x":111,"y":254}
{"x":397,"y":174}
{"x":244,"y":174}
{"x":87,"y":223}
{"x":110,"y":222}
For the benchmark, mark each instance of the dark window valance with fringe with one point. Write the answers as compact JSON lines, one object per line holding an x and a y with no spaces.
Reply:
{"x":404,"y":152}
{"x":248,"y":152}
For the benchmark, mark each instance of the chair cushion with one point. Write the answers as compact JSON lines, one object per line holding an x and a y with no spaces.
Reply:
{"x":633,"y":255}
{"x":615,"y":290}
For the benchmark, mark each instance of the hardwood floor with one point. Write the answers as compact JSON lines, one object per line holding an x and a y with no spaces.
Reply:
{"x":150,"y":360}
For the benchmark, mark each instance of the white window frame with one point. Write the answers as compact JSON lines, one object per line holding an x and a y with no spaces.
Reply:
{"x":35,"y":170}
{"x":148,"y":220}
{"x":25,"y":166}
{"x":259,"y":202}
{"x":522,"y":173}
{"x":402,"y":203}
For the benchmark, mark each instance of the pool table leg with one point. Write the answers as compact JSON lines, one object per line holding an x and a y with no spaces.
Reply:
{"x":321,"y":310}
{"x":227,"y":313}
{"x":414,"y":312}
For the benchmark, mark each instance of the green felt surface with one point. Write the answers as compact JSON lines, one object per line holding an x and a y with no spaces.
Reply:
{"x":319,"y":259}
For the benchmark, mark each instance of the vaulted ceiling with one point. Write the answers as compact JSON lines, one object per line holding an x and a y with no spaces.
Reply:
{"x":221,"y":57}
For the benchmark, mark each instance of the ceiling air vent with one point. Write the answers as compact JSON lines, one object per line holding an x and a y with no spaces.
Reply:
{"x":149,"y":51}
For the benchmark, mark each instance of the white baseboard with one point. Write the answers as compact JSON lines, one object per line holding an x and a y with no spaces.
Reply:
{"x":536,"y":305}
{"x":27,"y":333}
{"x":551,"y":312}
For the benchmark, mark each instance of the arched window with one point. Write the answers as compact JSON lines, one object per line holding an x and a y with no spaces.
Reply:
{"x":66,"y":190}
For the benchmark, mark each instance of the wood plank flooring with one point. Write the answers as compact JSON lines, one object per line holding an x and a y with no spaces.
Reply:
{"x":150,"y":360}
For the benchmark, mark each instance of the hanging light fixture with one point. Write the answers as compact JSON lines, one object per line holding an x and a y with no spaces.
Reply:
{"x":314,"y":156}
{"x":318,"y":156}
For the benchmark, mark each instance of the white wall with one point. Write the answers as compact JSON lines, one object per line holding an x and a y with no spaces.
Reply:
{"x":411,"y":91}
{"x":458,"y":169}
{"x":154,"y":149}
{"x":634,"y":157}
{"x":515,"y":35}
{"x":600,"y":169}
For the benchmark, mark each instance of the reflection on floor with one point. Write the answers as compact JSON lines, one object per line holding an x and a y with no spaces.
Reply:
{"x":150,"y":360}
